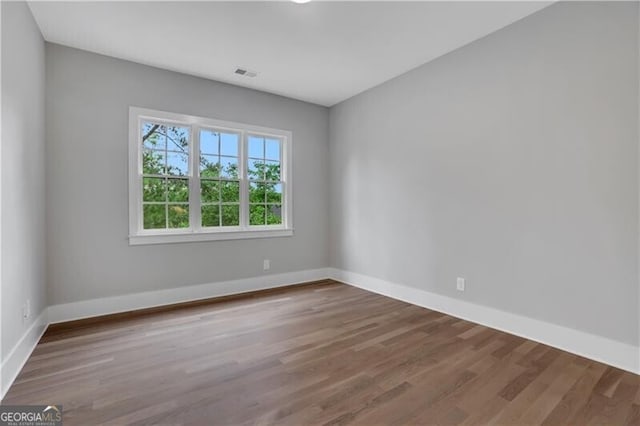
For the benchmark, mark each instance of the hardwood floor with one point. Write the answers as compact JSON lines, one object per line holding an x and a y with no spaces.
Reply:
{"x":323,"y":354}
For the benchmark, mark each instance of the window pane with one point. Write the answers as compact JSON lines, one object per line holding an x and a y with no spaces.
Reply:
{"x":257,"y":192}
{"x":272,"y":170}
{"x":256,"y":147}
{"x":153,"y":189}
{"x":229,"y":144}
{"x":274,"y":193}
{"x":178,"y":138}
{"x":211,"y":215}
{"x":274,"y":214}
{"x":177,"y":164}
{"x":272,"y":149}
{"x":230,"y":192}
{"x":229,"y":167}
{"x":227,"y":155}
{"x":230,"y":215}
{"x":179,"y":216}
{"x":153,"y":162}
{"x":208,"y":142}
{"x":256,"y":170}
{"x":210,"y":191}
{"x":257,"y":214}
{"x":154,"y":216}
{"x":209,"y":166}
{"x":178,"y":190}
{"x":153,"y":136}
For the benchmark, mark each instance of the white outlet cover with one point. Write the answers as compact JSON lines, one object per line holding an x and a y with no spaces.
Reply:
{"x":460,"y":284}
{"x":266,"y":264}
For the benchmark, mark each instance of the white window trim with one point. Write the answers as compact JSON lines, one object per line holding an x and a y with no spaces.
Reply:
{"x":138,"y":235}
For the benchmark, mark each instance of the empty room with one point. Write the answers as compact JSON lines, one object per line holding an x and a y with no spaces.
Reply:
{"x":320,"y":212}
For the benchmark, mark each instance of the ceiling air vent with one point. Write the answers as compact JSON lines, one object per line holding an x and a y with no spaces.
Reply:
{"x":245,"y":72}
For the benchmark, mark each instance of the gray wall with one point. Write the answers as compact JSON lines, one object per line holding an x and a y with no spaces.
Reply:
{"x":23,"y":153}
{"x":88,"y":99}
{"x":511,"y":162}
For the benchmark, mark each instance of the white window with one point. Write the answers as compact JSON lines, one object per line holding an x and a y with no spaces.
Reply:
{"x":199,"y":179}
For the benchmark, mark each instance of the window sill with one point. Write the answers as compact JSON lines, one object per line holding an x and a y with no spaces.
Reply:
{"x":192,"y":237}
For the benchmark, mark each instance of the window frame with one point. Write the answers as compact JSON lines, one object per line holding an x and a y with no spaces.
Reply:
{"x":196,"y":232}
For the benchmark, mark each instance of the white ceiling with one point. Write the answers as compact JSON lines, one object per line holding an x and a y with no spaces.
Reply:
{"x":321,"y":52}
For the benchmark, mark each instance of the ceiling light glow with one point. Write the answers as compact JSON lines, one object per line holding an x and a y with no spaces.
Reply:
{"x":301,"y":1}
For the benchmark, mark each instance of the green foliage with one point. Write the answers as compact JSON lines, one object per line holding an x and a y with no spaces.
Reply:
{"x":211,"y":215}
{"x":265,"y":214}
{"x":178,"y":215}
{"x":166,"y":193}
{"x":215,"y":192}
{"x":165,"y":190}
{"x":265,"y":193}
{"x":154,"y":216}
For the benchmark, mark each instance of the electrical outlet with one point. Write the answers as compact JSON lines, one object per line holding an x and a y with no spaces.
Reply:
{"x":460,"y":284}
{"x":266,"y":264}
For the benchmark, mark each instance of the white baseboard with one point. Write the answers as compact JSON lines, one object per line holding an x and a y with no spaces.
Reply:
{"x":21,"y":352}
{"x":598,"y":348}
{"x":129,"y":302}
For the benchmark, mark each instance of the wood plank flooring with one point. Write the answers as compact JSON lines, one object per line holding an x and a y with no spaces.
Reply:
{"x":327,"y":354}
